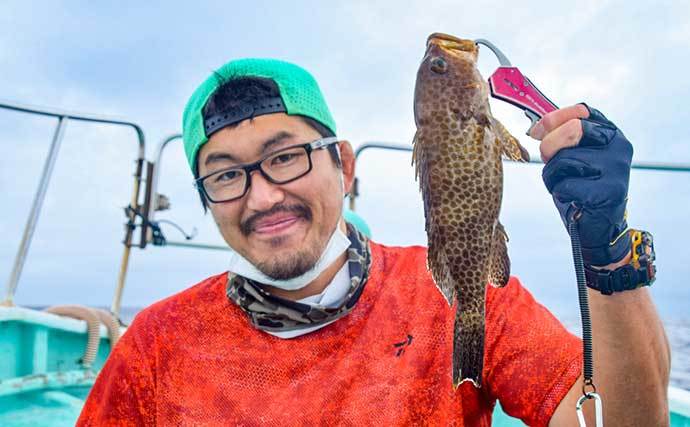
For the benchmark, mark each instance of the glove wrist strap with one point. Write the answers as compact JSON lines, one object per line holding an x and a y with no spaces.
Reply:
{"x":609,"y":254}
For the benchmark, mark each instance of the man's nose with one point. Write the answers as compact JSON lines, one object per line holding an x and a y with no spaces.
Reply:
{"x":263,"y":194}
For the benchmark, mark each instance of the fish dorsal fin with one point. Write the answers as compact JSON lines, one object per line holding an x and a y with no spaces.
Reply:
{"x":509,"y":144}
{"x":499,"y":267}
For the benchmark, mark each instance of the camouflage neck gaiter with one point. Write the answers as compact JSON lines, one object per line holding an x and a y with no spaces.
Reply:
{"x":271,"y":313}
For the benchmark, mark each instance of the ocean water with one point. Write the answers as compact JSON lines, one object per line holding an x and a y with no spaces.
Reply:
{"x":677,"y":330}
{"x":679,"y":335}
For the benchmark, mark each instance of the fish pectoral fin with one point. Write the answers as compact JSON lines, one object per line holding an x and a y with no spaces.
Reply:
{"x":421,"y":174}
{"x":509,"y":144}
{"x":444,"y":281}
{"x":417,"y":153}
{"x":499,"y":266}
{"x":447,"y":290}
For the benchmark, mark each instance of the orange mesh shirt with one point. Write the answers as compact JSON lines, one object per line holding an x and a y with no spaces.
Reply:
{"x":194,"y":359}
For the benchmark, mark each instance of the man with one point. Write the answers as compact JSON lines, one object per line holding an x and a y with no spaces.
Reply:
{"x":315,"y":325}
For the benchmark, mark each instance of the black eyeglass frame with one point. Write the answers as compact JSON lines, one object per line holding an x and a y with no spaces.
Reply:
{"x":309,"y":147}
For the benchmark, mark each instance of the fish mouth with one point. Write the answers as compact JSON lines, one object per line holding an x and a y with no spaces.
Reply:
{"x":451,"y":43}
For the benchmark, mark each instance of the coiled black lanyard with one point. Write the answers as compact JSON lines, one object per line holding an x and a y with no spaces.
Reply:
{"x":589,"y":390}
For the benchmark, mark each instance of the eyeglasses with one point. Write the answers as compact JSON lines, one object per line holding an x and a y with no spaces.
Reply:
{"x":280,"y":167}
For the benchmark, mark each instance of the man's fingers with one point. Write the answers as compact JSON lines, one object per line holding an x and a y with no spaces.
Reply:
{"x":556,"y":119}
{"x":566,"y":135}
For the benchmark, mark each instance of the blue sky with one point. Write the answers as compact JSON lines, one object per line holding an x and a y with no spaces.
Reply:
{"x":141,"y":62}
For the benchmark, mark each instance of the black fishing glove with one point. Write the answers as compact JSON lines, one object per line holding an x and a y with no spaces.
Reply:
{"x":589,"y":182}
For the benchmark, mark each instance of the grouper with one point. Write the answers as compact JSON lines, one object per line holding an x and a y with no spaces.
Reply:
{"x":458,"y":150}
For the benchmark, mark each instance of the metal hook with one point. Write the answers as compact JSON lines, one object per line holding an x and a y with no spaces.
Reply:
{"x":598,"y":409}
{"x":502,"y":59}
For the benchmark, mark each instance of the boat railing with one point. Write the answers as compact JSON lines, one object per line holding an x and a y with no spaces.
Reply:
{"x":654,"y":166}
{"x":63,"y":117}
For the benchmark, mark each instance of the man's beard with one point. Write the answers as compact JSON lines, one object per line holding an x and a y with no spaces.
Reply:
{"x":291,"y":265}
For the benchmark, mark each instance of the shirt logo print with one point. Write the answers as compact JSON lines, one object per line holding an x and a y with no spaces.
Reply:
{"x":400,"y":346}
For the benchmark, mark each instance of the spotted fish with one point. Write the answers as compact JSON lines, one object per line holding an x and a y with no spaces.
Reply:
{"x":457,"y":155}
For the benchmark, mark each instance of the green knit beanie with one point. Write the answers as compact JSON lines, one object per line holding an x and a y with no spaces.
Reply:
{"x":298,"y":89}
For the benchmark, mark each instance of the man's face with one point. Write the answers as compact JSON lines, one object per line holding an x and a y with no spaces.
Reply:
{"x":281,"y":229}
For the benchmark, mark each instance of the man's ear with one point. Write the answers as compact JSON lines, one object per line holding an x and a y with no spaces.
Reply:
{"x":347,"y":160}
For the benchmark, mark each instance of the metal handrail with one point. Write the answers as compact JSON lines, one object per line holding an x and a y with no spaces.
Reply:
{"x":63,"y":117}
{"x":52,"y":112}
{"x":656,"y":166}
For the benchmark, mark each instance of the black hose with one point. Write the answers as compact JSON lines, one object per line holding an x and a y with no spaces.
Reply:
{"x":584,"y":302}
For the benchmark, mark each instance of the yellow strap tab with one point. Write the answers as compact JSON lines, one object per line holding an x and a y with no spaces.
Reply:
{"x":637,"y":248}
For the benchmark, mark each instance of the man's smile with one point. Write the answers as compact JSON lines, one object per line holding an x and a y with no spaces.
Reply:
{"x":278,"y":220}
{"x":275,"y":224}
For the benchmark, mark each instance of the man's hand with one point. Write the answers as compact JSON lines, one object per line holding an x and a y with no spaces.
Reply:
{"x":587,"y":172}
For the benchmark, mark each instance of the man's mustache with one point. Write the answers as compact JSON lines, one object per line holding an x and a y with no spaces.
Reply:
{"x":248,"y":224}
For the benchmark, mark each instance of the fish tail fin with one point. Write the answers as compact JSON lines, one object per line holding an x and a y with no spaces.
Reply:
{"x":510,"y":145}
{"x":468,"y":347}
{"x":499,"y":266}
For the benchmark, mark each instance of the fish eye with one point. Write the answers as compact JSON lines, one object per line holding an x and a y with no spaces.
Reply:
{"x":439,"y":65}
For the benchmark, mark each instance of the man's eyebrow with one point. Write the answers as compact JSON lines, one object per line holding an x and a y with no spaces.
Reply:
{"x":219,"y":157}
{"x":226,"y":157}
{"x":275,"y":140}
